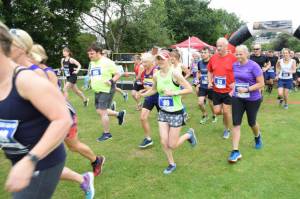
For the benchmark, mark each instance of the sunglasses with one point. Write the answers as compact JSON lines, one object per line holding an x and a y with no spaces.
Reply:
{"x":256,"y":49}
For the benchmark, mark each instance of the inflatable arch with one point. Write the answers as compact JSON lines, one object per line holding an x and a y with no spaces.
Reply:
{"x":256,"y":28}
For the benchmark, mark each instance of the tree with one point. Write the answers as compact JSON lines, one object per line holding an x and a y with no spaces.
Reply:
{"x":52,"y":23}
{"x":195,"y":18}
{"x":99,"y":20}
{"x":144,"y":30}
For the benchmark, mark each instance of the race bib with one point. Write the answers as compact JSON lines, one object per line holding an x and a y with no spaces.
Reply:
{"x":271,"y":70}
{"x":204,"y":79}
{"x":96,"y":73}
{"x":8,"y":143}
{"x":220,"y":82}
{"x":242,"y":85}
{"x":67,"y":72}
{"x":285,"y":74}
{"x":165,"y":102}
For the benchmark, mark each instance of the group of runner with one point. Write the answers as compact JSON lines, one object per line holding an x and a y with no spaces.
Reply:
{"x":36,"y":118}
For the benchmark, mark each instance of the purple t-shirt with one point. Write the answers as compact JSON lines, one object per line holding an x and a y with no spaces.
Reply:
{"x":245,"y":76}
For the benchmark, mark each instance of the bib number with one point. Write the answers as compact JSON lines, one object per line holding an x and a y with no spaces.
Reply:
{"x":8,"y":143}
{"x":220,"y":82}
{"x":165,"y":102}
{"x":96,"y":73}
{"x":242,"y":85}
{"x":67,"y":72}
{"x":285,"y":74}
{"x":204,"y":79}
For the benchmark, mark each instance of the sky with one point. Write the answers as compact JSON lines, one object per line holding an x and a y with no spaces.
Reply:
{"x":260,"y":10}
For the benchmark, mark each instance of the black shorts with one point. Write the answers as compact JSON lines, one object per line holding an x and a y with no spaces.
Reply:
{"x":72,"y":79}
{"x":150,"y":102}
{"x":221,"y":98}
{"x":205,"y":92}
{"x":295,"y":76}
{"x":137,"y":87}
{"x":298,"y":74}
{"x":239,"y":106}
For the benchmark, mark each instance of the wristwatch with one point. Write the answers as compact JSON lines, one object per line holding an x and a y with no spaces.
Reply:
{"x":33,"y":158}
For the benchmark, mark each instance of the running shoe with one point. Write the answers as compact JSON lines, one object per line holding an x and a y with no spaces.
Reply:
{"x":285,"y":106}
{"x":193,"y":138}
{"x":258,"y":142}
{"x":86,"y":102}
{"x":98,"y":165}
{"x":125,"y":96}
{"x":113,"y":106}
{"x":105,"y":136}
{"x":121,"y":117}
{"x":234,"y":156}
{"x":88,"y":185}
{"x":226,"y":134}
{"x":146,"y":143}
{"x":214,"y":119}
{"x":204,"y":119}
{"x":170,"y":169}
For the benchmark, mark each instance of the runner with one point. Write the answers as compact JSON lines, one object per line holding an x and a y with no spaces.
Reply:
{"x":71,"y":68}
{"x":220,"y":78}
{"x":72,"y":141}
{"x":270,"y":74}
{"x":167,"y":82}
{"x":138,"y":83}
{"x":104,"y":76}
{"x":260,"y":59}
{"x":33,"y":112}
{"x":295,"y":82}
{"x":285,"y":69}
{"x":150,"y":101}
{"x":246,"y":98}
{"x":204,"y":92}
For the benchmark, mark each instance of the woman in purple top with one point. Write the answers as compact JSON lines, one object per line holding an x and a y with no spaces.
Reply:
{"x":246,"y":97}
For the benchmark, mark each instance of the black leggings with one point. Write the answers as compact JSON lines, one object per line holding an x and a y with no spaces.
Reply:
{"x":239,"y":106}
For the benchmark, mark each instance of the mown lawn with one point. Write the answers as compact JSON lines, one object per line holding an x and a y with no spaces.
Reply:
{"x":202,"y":172}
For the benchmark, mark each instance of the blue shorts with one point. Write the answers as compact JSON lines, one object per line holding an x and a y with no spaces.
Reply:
{"x":285,"y":83}
{"x":269,"y":75}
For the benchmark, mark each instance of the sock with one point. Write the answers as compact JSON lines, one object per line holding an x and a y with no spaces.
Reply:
{"x":96,"y":161}
{"x":148,"y":138}
{"x":236,"y":150}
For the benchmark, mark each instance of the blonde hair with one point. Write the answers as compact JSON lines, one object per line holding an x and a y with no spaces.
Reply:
{"x":22,"y":39}
{"x":5,"y":39}
{"x":147,"y":57}
{"x":38,"y":53}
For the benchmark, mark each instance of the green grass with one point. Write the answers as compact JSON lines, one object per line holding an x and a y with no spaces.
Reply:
{"x":203,"y":172}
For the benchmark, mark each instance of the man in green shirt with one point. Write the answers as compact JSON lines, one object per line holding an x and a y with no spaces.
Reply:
{"x":104,"y":75}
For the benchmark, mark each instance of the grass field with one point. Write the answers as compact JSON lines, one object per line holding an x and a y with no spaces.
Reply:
{"x":202,"y":172}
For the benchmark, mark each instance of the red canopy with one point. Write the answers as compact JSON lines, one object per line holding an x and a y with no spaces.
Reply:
{"x":194,"y":42}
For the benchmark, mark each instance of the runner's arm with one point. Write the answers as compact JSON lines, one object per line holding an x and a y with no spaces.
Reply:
{"x":74,"y":61}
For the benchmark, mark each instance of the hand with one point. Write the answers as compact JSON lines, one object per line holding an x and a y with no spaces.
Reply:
{"x":20,"y":175}
{"x":264,"y":69}
{"x":242,"y":90}
{"x":210,"y":85}
{"x":75,"y":72}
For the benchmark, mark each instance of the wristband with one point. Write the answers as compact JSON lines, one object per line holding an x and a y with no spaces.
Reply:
{"x":33,"y":158}
{"x":111,"y":81}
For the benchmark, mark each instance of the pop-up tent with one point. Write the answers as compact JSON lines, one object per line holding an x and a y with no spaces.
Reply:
{"x":192,"y":42}
{"x":188,"y":47}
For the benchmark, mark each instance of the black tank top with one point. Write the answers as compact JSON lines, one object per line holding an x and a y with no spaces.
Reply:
{"x":69,"y":68}
{"x":22,"y":126}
